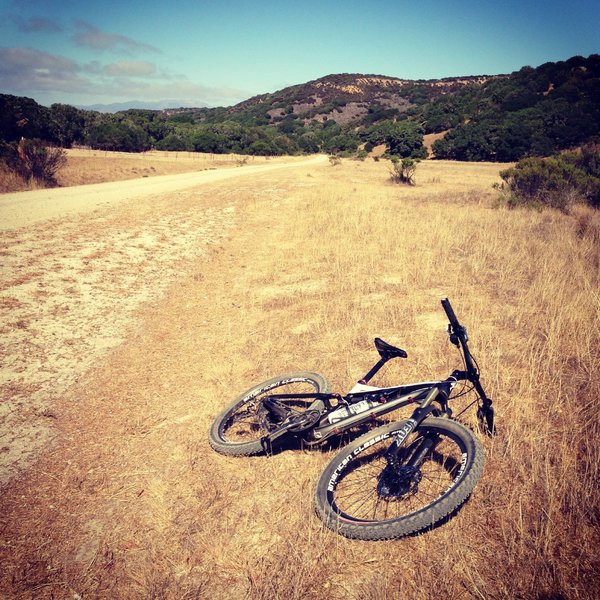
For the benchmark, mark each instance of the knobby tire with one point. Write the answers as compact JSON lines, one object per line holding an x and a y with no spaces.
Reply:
{"x":240,"y":428}
{"x":359,"y":495}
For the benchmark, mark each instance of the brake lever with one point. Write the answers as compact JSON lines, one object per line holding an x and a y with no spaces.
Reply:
{"x":453,"y":337}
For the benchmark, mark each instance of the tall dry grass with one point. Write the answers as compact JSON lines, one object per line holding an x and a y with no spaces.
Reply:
{"x":322,"y":262}
{"x":359,"y":258}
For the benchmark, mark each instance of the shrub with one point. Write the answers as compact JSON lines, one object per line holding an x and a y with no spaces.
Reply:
{"x":262,"y":148}
{"x":588,"y":227}
{"x":33,"y":159}
{"x":173,"y":142}
{"x":557,"y":181}
{"x":402,"y":139}
{"x":403,"y":170}
{"x":589,"y":161}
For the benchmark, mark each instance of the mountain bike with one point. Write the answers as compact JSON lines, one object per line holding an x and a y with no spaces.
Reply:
{"x":397,"y":479}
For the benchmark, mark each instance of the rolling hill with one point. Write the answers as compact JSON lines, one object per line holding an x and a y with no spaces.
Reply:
{"x":533,"y":111}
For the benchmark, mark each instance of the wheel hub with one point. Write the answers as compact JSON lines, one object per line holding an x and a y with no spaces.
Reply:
{"x":394,"y":484}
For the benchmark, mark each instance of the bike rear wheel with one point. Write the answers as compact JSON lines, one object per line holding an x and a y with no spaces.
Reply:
{"x":239,"y":429}
{"x":372,"y":491}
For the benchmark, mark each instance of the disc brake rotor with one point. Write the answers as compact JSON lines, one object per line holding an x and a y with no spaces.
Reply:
{"x":396,"y":484}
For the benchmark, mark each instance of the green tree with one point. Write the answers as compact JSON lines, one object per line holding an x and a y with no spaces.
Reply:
{"x":122,"y":137}
{"x":174,"y":142}
{"x":206,"y":139}
{"x":404,"y":138}
{"x":68,"y":124}
{"x":308,"y":142}
{"x":262,"y":148}
{"x":24,"y":117}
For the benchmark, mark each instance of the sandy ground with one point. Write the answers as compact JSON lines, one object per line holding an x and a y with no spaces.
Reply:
{"x":67,"y":256}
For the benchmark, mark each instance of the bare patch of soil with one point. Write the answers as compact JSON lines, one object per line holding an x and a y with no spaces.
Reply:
{"x":430,"y":139}
{"x":70,"y":286}
{"x":69,"y":291}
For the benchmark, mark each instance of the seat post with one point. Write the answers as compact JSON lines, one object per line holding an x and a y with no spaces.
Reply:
{"x":373,"y":371}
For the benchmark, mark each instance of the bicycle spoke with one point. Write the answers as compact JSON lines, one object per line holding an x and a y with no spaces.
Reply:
{"x":357,"y":493}
{"x":253,"y":420}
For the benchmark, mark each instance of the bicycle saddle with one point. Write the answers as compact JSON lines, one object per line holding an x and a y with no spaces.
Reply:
{"x":387,"y":351}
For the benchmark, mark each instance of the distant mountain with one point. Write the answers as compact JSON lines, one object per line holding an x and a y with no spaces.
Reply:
{"x":137,"y":104}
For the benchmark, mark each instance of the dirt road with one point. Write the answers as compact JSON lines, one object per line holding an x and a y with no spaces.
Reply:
{"x":76,"y":265}
{"x":22,"y":209}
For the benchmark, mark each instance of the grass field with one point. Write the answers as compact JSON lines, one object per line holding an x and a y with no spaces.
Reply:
{"x":133,"y":503}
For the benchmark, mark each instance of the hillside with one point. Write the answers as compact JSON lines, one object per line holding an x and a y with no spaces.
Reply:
{"x":534,"y":111}
{"x":348,"y":97}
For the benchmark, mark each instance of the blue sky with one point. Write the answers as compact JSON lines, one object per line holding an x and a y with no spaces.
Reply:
{"x":221,"y":52}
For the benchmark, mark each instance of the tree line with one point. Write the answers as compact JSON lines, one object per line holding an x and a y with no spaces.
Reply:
{"x":533,"y":112}
{"x":139,"y":130}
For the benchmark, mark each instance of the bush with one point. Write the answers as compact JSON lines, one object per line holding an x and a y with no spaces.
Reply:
{"x":557,"y":181}
{"x":174,"y":142}
{"x":33,"y":159}
{"x":403,"y":170}
{"x":589,"y":161}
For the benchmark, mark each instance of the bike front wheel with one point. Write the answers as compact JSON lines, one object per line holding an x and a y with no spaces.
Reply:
{"x":239,"y":430}
{"x":375,"y":490}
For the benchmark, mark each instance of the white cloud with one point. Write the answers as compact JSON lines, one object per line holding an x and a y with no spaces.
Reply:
{"x":53,"y":78}
{"x":91,"y":37}
{"x":26,"y":70}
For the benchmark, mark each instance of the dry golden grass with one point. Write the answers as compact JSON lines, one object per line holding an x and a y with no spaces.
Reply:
{"x":96,"y":166}
{"x":132,"y":503}
{"x":12,"y":182}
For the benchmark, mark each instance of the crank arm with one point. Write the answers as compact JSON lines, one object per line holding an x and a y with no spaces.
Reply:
{"x":276,"y":408}
{"x":269,"y":439}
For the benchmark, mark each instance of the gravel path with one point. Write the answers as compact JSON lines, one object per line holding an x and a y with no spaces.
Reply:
{"x":21,"y":209}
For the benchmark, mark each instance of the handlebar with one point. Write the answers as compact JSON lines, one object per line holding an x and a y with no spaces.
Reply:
{"x":458,"y":335}
{"x":450,"y":313}
{"x":458,"y":332}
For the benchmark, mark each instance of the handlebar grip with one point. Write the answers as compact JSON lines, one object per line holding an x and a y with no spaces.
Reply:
{"x":450,"y":313}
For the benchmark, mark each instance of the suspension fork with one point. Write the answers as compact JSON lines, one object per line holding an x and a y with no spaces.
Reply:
{"x":425,"y":444}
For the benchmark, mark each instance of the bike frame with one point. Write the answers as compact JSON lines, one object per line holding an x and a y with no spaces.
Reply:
{"x":385,"y":400}
{"x":388,"y":399}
